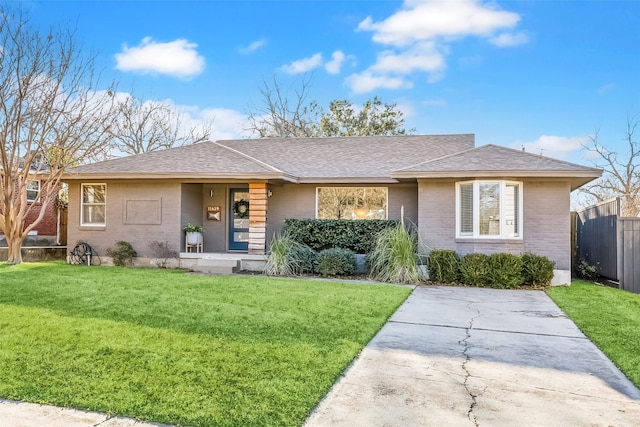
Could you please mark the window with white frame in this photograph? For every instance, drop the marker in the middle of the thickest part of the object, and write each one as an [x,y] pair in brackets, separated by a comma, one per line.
[33,191]
[489,209]
[93,204]
[351,202]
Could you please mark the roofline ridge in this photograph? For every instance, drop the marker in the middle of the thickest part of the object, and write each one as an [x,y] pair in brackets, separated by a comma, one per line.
[253,159]
[446,156]
[566,162]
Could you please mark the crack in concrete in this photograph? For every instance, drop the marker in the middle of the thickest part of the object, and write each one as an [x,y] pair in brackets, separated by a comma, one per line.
[103,421]
[538,334]
[467,359]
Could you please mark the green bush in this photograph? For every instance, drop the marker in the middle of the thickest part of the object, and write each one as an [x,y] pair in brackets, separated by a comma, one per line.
[587,271]
[306,259]
[505,270]
[336,262]
[319,234]
[444,266]
[537,270]
[394,257]
[122,254]
[285,257]
[474,269]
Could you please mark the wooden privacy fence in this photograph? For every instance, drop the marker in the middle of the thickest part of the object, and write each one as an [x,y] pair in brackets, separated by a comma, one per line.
[596,237]
[629,254]
[611,243]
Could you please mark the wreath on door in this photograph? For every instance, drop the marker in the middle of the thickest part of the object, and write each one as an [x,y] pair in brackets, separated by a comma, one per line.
[241,208]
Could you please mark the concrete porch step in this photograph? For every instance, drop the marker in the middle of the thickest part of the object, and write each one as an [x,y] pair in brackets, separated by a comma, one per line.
[212,265]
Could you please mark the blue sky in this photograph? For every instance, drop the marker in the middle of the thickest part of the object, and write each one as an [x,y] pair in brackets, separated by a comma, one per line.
[543,74]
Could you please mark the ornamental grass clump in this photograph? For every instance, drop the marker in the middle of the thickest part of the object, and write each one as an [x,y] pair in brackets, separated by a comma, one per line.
[394,257]
[285,257]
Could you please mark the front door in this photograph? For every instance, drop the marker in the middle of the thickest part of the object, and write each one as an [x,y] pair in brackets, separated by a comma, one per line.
[239,219]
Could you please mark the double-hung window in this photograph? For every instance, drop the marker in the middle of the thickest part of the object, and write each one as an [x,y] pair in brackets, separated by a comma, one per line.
[489,209]
[94,204]
[33,191]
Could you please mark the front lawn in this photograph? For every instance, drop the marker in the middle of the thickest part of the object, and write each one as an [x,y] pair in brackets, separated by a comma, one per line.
[609,317]
[176,348]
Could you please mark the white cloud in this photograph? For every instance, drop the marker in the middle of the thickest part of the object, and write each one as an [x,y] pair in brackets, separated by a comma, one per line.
[510,39]
[334,66]
[252,47]
[367,82]
[227,123]
[420,57]
[606,89]
[178,58]
[419,35]
[559,147]
[434,103]
[432,19]
[303,65]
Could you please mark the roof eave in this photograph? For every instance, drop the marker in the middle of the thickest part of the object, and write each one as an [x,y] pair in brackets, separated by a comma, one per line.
[588,174]
[347,180]
[173,175]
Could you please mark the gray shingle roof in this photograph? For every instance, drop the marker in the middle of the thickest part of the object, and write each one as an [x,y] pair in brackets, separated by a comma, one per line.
[350,157]
[340,159]
[493,160]
[203,159]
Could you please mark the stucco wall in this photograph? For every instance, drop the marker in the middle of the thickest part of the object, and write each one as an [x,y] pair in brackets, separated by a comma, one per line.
[546,218]
[146,227]
[299,201]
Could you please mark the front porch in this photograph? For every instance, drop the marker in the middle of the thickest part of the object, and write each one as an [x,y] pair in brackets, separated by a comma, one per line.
[221,263]
[234,215]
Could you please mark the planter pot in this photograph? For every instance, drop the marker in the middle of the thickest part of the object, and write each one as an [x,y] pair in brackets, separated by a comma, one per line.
[193,238]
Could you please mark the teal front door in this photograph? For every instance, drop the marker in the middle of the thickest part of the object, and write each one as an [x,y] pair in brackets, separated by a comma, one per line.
[239,219]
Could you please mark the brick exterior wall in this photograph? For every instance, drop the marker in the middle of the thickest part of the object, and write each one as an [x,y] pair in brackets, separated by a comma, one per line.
[546,217]
[118,227]
[49,223]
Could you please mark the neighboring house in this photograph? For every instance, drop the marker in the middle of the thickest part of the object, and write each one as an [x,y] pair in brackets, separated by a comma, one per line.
[486,199]
[47,232]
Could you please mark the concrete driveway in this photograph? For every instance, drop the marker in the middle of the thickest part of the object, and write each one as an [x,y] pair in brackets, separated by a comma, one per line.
[453,356]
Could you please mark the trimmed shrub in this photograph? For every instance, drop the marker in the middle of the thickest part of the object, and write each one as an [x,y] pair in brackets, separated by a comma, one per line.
[122,254]
[336,262]
[474,269]
[306,259]
[319,234]
[394,257]
[505,270]
[537,270]
[444,266]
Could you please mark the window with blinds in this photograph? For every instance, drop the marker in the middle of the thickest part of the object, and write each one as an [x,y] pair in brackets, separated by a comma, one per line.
[93,204]
[489,209]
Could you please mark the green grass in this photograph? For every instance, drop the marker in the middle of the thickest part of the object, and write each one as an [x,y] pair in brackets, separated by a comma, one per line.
[609,317]
[184,349]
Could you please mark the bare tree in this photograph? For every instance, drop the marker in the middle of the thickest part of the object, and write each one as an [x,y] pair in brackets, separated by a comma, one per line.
[51,117]
[278,117]
[621,171]
[150,126]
